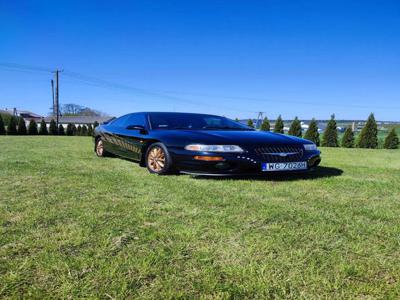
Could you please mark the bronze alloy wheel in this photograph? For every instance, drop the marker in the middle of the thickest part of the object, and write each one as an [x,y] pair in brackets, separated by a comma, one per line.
[100,148]
[156,159]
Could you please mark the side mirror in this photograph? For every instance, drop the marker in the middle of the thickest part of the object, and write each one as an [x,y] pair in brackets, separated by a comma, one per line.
[141,128]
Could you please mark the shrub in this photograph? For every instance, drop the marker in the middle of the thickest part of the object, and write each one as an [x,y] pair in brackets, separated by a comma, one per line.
[53,127]
[43,128]
[61,130]
[79,130]
[6,118]
[279,125]
[391,140]
[84,130]
[236,120]
[295,128]
[250,123]
[74,130]
[32,128]
[2,128]
[90,130]
[21,127]
[348,138]
[330,138]
[12,126]
[69,129]
[312,133]
[265,126]
[369,134]
[95,124]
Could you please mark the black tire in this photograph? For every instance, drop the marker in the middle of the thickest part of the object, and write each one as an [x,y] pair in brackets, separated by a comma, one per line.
[158,161]
[99,148]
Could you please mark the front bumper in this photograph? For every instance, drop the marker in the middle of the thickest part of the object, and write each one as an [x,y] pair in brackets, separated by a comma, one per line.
[233,164]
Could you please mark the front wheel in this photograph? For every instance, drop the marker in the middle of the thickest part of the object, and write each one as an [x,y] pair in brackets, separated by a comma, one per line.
[158,160]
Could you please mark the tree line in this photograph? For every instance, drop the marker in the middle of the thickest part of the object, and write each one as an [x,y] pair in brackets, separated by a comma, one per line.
[17,126]
[368,137]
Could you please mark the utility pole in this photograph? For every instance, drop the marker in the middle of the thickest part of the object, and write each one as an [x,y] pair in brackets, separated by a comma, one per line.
[57,96]
[259,117]
[52,93]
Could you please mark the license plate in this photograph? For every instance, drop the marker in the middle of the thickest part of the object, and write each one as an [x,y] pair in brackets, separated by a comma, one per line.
[273,167]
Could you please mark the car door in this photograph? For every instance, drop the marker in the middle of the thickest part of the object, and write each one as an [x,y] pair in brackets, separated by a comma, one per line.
[132,136]
[114,135]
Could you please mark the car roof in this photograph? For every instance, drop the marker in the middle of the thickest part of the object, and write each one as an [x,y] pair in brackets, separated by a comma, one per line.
[172,113]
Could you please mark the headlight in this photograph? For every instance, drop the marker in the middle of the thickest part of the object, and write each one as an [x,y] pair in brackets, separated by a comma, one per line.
[214,148]
[310,147]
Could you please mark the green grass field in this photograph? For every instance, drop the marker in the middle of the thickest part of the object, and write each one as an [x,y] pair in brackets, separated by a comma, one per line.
[77,226]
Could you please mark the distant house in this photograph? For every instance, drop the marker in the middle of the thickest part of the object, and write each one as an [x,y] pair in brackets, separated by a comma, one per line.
[29,116]
[25,114]
[77,120]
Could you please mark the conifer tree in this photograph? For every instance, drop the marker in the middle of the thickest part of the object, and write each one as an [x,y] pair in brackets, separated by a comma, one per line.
[265,126]
[295,128]
[90,130]
[32,128]
[95,124]
[21,127]
[2,127]
[53,127]
[391,140]
[369,134]
[312,133]
[12,126]
[330,138]
[250,123]
[79,130]
[69,129]
[74,130]
[84,130]
[348,138]
[61,130]
[279,125]
[43,128]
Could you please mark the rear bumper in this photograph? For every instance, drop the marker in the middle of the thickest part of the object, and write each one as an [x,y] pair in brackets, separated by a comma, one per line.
[233,164]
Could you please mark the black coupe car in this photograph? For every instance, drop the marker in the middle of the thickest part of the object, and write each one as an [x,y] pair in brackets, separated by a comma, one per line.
[202,144]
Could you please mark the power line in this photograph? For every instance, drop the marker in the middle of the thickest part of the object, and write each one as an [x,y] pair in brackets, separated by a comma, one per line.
[94,81]
[25,67]
[275,101]
[166,93]
[107,84]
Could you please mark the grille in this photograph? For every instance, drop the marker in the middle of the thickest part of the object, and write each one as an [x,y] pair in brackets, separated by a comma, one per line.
[270,153]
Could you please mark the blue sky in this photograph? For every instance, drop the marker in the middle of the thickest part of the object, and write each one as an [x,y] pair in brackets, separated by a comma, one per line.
[234,58]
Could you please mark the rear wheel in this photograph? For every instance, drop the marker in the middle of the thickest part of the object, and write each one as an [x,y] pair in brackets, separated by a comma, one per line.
[99,148]
[158,160]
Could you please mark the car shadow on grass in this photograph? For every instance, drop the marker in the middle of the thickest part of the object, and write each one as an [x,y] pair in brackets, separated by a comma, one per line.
[319,172]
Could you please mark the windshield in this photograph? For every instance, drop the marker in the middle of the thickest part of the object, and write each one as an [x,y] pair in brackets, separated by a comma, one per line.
[193,122]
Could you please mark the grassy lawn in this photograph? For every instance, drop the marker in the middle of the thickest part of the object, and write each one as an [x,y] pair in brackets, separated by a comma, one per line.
[74,225]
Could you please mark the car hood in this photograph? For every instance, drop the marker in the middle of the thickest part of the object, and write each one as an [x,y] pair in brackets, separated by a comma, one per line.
[184,137]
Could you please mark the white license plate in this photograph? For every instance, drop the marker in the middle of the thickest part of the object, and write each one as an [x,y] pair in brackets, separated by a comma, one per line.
[272,167]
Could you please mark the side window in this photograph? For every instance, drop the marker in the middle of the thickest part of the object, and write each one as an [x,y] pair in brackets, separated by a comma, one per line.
[214,121]
[120,122]
[136,119]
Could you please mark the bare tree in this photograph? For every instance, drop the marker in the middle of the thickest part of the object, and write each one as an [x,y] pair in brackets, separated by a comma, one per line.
[72,109]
